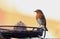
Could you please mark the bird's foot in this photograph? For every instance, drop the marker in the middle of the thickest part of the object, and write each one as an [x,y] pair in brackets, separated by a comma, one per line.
[43,28]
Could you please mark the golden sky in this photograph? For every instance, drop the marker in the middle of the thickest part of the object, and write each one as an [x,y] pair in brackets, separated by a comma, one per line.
[9,15]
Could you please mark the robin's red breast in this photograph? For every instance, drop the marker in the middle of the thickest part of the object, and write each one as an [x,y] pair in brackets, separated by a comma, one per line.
[39,15]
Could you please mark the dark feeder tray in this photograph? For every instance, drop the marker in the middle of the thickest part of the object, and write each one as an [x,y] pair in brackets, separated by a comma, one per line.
[23,34]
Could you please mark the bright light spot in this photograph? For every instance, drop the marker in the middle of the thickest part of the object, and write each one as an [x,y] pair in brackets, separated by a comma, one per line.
[49,35]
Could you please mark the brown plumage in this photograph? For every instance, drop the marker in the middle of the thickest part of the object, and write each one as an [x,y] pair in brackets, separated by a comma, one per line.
[41,19]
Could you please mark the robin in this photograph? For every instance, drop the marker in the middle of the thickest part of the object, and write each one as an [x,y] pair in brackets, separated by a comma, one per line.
[41,19]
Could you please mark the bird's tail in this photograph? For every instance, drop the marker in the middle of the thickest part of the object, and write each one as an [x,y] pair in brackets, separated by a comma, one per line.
[46,28]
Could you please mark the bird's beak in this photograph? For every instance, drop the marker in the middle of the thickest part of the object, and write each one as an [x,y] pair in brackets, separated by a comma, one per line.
[35,11]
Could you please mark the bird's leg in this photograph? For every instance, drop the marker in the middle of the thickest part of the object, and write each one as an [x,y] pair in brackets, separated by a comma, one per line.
[42,26]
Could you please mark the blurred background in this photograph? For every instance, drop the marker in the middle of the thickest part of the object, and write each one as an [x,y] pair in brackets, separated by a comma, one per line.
[13,11]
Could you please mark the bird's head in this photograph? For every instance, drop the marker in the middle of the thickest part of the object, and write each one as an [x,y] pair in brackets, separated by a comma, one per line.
[38,11]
